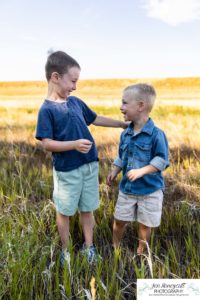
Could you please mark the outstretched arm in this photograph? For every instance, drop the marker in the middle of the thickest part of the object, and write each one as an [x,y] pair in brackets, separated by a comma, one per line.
[108,122]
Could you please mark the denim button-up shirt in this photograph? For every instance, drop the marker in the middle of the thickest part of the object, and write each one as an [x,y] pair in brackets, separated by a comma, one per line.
[148,147]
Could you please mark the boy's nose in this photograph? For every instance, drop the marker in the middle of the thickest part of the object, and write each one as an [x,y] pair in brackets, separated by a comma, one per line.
[121,108]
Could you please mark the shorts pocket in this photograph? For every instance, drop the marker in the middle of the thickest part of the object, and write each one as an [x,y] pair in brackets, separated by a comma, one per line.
[69,177]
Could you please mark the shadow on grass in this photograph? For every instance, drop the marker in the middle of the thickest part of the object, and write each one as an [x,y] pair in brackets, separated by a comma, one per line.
[33,165]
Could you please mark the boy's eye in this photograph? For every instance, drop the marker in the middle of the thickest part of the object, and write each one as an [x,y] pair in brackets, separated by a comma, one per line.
[123,101]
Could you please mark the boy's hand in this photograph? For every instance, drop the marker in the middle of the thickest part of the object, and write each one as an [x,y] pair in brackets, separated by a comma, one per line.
[134,174]
[111,177]
[83,145]
[125,124]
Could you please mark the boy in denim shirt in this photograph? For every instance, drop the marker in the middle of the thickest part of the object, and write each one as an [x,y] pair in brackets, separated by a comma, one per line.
[143,155]
[62,128]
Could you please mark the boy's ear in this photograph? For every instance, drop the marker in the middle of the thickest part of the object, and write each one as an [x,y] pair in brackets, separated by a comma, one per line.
[55,76]
[141,105]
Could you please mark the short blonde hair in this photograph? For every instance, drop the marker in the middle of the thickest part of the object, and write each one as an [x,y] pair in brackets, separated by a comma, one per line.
[143,91]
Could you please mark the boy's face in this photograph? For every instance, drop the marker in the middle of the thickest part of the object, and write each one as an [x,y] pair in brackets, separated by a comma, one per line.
[66,83]
[130,107]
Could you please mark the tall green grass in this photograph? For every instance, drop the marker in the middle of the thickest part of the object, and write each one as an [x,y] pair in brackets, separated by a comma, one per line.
[29,241]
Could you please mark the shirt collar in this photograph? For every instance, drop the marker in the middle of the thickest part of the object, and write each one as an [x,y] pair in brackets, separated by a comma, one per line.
[148,127]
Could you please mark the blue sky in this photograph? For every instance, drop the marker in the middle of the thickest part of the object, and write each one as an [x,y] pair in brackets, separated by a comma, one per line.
[110,39]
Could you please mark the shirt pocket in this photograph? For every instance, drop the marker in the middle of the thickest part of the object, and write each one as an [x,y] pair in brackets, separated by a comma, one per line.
[123,151]
[142,152]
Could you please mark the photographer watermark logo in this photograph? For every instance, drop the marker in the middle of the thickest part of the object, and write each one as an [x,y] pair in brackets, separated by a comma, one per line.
[168,289]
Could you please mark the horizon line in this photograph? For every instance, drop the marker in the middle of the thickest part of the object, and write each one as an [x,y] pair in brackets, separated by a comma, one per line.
[107,79]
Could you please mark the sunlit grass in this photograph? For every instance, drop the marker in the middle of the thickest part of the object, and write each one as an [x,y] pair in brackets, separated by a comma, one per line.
[29,242]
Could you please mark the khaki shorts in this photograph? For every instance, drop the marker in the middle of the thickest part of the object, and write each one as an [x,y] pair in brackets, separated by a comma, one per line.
[146,209]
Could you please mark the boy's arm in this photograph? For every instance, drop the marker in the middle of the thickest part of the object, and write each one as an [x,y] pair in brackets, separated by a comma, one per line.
[108,122]
[137,173]
[117,166]
[113,174]
[91,118]
[160,152]
[81,145]
[159,162]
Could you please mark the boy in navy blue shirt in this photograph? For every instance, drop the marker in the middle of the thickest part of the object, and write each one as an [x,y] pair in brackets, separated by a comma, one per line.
[62,127]
[143,155]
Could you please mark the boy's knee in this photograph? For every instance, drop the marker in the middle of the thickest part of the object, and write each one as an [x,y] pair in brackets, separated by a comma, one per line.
[142,226]
[86,213]
[119,223]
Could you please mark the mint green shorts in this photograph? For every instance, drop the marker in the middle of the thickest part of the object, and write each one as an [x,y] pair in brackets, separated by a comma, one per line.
[77,189]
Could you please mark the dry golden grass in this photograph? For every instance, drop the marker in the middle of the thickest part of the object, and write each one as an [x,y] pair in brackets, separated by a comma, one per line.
[108,89]
[179,118]
[29,266]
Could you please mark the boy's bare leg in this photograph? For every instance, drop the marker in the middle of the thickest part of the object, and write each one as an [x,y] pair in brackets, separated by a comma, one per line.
[63,229]
[144,235]
[87,222]
[118,230]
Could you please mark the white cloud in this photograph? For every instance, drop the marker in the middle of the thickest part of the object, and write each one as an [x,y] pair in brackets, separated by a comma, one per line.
[173,12]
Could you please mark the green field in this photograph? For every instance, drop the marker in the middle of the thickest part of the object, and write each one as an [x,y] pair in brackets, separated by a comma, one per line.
[29,242]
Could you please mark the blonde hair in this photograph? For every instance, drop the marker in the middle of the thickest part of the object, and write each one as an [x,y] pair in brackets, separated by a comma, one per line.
[143,91]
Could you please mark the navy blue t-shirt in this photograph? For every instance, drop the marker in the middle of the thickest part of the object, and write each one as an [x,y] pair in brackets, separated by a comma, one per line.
[67,121]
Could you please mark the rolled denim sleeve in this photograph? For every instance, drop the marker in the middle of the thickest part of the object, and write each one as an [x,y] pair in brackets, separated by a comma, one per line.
[160,152]
[159,163]
[118,160]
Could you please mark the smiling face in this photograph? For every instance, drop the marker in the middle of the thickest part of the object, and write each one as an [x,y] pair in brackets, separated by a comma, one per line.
[131,108]
[66,83]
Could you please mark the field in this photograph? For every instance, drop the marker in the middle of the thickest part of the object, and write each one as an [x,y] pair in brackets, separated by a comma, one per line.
[29,242]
